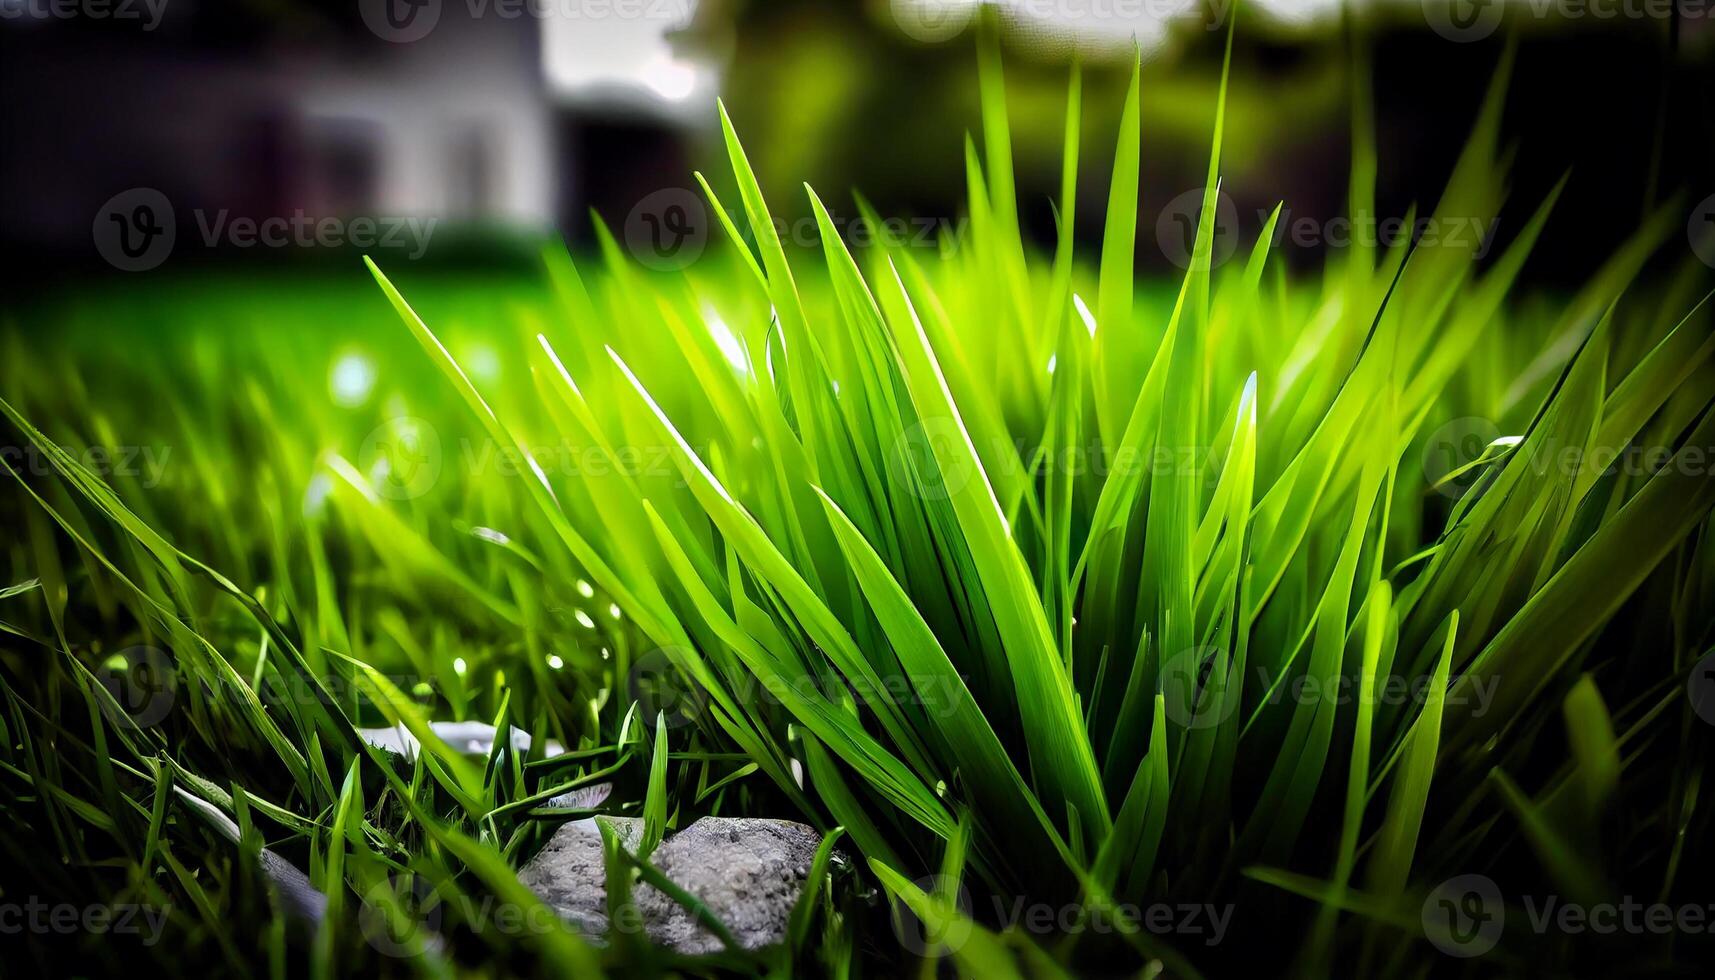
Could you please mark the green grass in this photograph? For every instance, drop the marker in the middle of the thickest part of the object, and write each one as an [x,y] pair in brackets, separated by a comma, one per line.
[1013,566]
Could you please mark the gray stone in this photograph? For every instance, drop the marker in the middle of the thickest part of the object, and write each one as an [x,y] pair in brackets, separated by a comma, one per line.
[465,737]
[569,874]
[748,872]
[292,887]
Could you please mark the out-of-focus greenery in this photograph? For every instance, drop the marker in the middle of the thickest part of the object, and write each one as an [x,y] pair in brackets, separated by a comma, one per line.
[1004,563]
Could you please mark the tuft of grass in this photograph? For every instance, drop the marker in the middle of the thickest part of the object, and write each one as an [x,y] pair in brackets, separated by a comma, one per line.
[1044,588]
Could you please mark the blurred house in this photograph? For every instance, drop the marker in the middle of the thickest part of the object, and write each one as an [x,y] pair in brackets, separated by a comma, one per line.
[510,118]
[482,121]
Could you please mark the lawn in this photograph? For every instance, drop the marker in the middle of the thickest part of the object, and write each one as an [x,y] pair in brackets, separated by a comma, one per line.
[1102,623]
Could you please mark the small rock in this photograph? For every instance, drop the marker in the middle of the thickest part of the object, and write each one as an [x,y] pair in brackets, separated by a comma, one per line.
[569,874]
[468,737]
[748,872]
[300,898]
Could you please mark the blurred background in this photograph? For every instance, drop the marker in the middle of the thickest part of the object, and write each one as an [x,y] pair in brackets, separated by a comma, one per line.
[184,135]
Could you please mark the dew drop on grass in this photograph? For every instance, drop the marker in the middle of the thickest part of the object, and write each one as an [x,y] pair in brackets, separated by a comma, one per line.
[316,494]
[1084,314]
[351,379]
[585,590]
[726,340]
[555,662]
[584,620]
[459,666]
[482,363]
